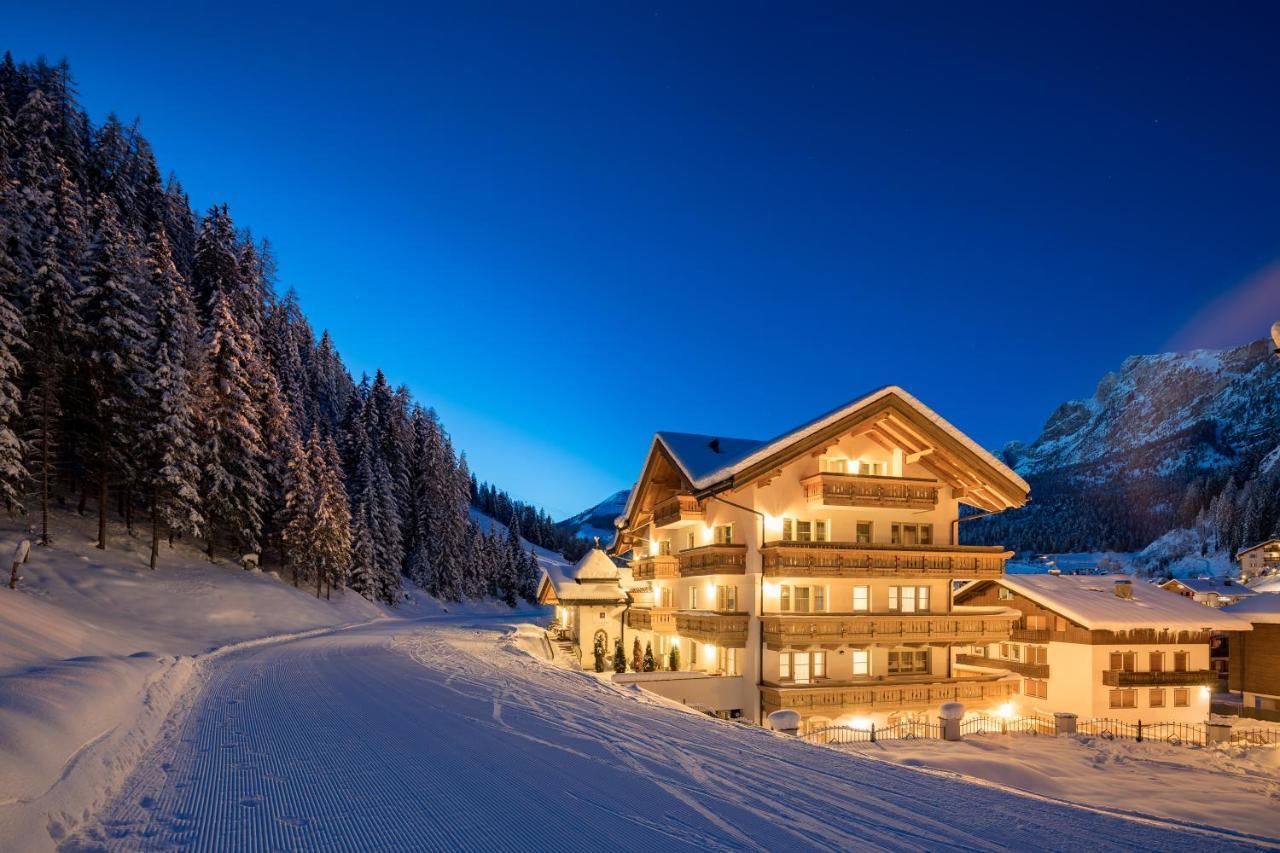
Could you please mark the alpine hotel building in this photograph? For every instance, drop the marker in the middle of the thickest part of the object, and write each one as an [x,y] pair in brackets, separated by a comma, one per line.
[815,571]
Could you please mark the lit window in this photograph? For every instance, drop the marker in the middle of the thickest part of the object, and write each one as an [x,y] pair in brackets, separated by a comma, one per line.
[804,531]
[784,665]
[861,599]
[863,533]
[784,603]
[871,469]
[1005,594]
[724,534]
[911,534]
[908,599]
[726,598]
[861,662]
[819,531]
[908,662]
[835,466]
[788,530]
[693,598]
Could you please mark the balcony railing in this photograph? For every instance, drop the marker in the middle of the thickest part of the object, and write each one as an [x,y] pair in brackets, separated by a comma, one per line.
[655,567]
[1161,678]
[804,629]
[849,559]
[835,699]
[1032,635]
[839,490]
[1029,670]
[713,560]
[676,511]
[661,620]
[721,629]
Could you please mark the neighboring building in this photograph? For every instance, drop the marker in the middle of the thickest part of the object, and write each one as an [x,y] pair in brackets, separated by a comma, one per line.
[1255,656]
[814,571]
[1102,646]
[1213,592]
[589,600]
[1260,559]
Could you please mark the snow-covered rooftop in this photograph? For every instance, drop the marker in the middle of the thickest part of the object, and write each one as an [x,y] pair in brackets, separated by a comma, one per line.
[1263,607]
[595,565]
[1222,586]
[1091,601]
[1261,544]
[593,578]
[1269,583]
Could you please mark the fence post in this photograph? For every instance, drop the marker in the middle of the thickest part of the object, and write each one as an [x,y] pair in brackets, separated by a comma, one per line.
[949,716]
[1217,733]
[873,732]
[1139,731]
[1064,723]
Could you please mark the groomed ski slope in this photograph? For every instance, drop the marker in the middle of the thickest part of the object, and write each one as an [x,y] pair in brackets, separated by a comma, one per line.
[447,735]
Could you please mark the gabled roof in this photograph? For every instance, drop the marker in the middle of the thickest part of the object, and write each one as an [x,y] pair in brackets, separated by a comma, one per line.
[709,462]
[1091,601]
[1221,586]
[1261,544]
[1262,608]
[593,579]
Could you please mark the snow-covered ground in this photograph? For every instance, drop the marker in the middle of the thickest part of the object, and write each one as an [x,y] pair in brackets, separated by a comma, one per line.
[454,733]
[1233,787]
[96,649]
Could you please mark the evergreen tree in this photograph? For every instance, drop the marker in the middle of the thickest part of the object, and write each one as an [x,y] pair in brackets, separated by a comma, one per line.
[637,656]
[648,664]
[673,660]
[619,657]
[598,653]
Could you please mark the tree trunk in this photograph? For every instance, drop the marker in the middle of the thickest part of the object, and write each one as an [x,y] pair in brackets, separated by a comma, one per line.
[128,509]
[84,496]
[319,578]
[102,503]
[45,472]
[209,549]
[155,531]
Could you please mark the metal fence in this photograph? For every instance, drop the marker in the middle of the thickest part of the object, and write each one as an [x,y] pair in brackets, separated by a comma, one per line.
[1033,724]
[904,730]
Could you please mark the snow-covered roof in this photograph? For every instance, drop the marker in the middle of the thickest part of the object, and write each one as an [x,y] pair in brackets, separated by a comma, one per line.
[1222,586]
[1267,583]
[1263,607]
[1261,544]
[594,578]
[707,460]
[1091,601]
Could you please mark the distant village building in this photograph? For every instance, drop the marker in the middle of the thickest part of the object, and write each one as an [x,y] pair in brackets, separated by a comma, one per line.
[1101,646]
[1255,656]
[1212,592]
[814,571]
[1260,559]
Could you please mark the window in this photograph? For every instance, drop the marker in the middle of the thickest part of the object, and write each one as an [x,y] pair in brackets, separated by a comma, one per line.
[726,598]
[909,599]
[861,662]
[835,466]
[1180,661]
[871,469]
[727,661]
[802,667]
[802,599]
[1124,698]
[1124,661]
[1155,661]
[819,531]
[724,534]
[788,530]
[908,662]
[1181,697]
[862,533]
[861,599]
[693,597]
[665,597]
[1036,688]
[1156,698]
[1036,622]
[688,539]
[1038,655]
[1005,594]
[1059,623]
[912,534]
[664,547]
[804,531]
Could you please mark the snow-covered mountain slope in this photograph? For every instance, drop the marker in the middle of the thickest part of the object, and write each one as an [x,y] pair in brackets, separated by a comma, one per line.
[1164,414]
[1145,453]
[598,520]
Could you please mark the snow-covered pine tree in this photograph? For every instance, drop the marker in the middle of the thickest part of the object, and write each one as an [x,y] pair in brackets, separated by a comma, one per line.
[648,663]
[637,656]
[297,519]
[13,470]
[233,489]
[332,542]
[619,657]
[364,567]
[112,344]
[170,452]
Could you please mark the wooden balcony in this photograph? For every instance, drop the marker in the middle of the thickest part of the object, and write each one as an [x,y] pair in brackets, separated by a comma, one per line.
[839,629]
[656,567]
[713,560]
[885,696]
[1032,635]
[851,560]
[1028,670]
[720,629]
[1162,678]
[677,511]
[843,490]
[660,620]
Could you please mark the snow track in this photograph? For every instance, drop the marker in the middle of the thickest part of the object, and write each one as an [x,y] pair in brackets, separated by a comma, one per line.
[438,736]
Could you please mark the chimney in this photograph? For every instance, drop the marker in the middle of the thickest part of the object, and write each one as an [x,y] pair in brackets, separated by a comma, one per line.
[1124,589]
[714,444]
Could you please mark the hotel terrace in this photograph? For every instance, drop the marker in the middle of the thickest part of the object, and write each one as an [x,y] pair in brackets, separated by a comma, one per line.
[814,572]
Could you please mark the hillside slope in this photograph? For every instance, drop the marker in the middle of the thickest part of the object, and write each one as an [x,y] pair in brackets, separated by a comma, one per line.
[598,520]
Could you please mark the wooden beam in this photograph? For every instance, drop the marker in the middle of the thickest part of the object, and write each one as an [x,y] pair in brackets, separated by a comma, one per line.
[916,457]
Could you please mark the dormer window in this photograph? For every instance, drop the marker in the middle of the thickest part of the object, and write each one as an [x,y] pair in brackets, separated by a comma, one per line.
[835,466]
[870,469]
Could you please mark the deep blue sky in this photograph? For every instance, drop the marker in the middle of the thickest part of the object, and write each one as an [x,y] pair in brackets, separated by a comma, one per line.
[568,226]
